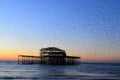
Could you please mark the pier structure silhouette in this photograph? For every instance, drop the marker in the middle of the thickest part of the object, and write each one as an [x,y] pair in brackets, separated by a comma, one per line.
[49,55]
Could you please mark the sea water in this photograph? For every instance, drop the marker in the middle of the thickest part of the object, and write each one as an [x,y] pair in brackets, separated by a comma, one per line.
[10,70]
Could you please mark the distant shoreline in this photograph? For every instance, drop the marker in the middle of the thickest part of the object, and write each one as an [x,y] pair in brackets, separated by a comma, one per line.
[85,62]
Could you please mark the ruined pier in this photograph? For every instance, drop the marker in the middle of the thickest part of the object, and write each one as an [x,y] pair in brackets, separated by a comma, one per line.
[50,55]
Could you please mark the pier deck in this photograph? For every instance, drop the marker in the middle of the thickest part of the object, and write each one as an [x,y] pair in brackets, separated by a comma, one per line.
[56,60]
[50,55]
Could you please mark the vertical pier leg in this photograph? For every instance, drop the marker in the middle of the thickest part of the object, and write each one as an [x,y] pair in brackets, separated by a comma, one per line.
[18,60]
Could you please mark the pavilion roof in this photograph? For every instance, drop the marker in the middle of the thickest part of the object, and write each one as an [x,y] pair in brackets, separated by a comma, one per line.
[51,49]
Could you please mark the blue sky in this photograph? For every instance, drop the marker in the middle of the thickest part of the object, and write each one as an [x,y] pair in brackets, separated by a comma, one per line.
[81,27]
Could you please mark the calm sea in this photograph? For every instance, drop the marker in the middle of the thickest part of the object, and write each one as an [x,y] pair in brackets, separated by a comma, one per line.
[10,70]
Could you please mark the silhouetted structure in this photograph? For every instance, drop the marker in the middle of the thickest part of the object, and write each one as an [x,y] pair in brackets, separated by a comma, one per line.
[50,55]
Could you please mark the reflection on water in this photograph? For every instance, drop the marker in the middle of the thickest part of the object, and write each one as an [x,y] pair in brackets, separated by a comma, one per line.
[83,71]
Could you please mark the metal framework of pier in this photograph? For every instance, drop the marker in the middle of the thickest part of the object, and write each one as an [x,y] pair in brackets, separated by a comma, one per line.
[50,55]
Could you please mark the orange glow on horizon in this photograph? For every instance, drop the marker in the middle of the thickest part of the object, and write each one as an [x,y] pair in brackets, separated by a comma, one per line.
[11,54]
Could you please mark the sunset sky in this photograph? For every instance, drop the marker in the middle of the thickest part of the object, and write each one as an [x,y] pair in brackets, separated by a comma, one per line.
[86,28]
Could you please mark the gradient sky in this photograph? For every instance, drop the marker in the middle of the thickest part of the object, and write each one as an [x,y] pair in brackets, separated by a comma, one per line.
[86,28]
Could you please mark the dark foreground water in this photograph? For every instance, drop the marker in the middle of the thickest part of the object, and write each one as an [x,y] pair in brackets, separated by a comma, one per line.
[10,70]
